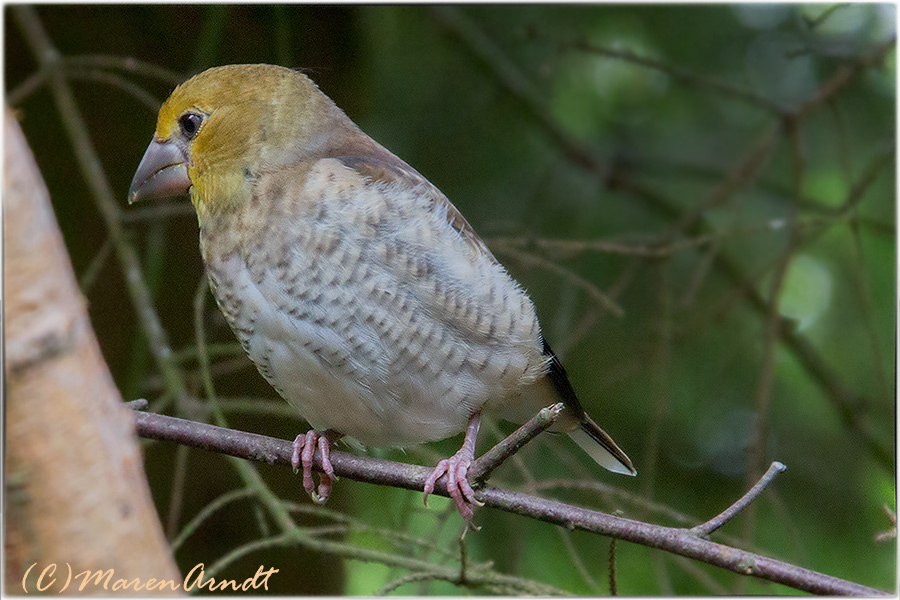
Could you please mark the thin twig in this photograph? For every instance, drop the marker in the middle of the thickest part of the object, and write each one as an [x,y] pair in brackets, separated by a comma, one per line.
[679,74]
[496,456]
[87,279]
[127,63]
[571,248]
[606,490]
[844,76]
[114,80]
[207,511]
[707,528]
[32,83]
[593,291]
[700,574]
[613,586]
[577,562]
[484,49]
[737,178]
[580,330]
[813,23]
[463,557]
[278,541]
[311,538]
[660,368]
[138,404]
[890,534]
[885,157]
[399,539]
[413,578]
[246,405]
[412,477]
[229,349]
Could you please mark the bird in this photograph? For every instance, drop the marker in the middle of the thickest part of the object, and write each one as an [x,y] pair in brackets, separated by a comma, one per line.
[357,289]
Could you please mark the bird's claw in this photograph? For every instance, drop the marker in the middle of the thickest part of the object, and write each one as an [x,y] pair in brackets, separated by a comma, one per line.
[302,457]
[456,468]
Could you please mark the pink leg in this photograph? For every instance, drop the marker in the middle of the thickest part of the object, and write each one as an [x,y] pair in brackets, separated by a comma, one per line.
[304,450]
[456,467]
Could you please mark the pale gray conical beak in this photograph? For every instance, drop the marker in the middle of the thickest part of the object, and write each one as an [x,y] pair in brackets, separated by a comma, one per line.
[162,173]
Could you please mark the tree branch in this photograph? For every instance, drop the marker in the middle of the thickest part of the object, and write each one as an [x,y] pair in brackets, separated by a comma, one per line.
[483,467]
[732,511]
[412,477]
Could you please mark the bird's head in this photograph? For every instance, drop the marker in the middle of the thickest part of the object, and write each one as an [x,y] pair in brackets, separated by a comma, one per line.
[221,128]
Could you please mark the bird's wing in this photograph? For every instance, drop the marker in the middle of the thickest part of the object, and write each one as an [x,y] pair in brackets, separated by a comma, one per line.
[380,165]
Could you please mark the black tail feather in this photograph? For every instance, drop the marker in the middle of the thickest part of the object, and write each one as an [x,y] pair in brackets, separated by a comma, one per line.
[560,380]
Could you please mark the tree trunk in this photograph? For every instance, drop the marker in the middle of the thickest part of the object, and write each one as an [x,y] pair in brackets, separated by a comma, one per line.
[76,492]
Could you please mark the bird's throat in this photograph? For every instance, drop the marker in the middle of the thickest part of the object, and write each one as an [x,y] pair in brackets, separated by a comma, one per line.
[215,191]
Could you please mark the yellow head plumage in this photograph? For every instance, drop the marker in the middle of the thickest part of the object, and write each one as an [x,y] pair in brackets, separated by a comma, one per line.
[228,124]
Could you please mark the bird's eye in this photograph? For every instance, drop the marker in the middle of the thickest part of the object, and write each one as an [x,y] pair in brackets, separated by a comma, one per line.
[190,124]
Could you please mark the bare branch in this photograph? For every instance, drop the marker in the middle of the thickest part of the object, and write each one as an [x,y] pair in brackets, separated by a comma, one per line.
[483,467]
[412,477]
[732,511]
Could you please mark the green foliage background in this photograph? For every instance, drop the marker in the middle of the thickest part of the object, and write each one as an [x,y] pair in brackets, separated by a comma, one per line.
[708,235]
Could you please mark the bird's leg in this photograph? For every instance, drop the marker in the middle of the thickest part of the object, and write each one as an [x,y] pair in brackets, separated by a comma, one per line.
[304,449]
[456,467]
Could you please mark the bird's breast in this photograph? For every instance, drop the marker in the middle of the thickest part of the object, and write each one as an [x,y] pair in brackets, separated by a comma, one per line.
[366,311]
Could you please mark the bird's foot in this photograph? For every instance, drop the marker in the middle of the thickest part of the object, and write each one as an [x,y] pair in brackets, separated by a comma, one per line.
[456,468]
[304,449]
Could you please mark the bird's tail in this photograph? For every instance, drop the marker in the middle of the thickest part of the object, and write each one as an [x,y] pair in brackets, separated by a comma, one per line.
[601,447]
